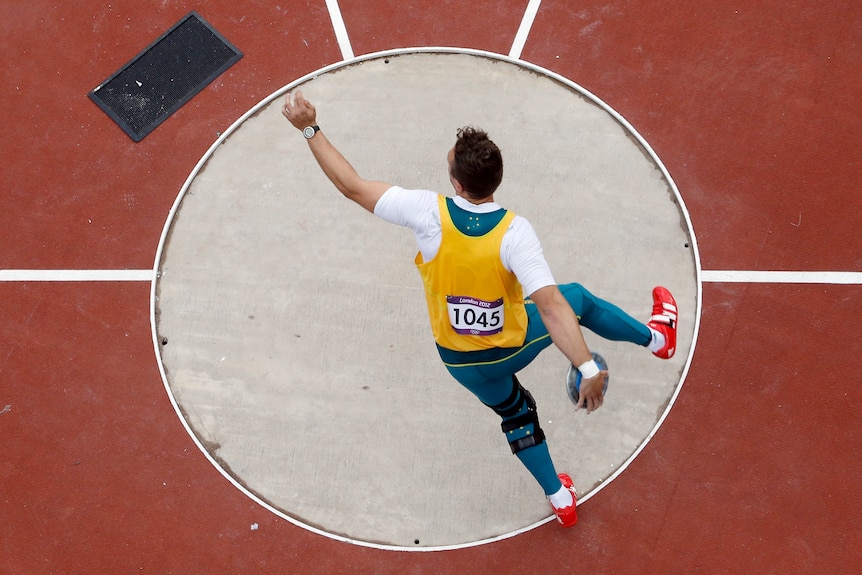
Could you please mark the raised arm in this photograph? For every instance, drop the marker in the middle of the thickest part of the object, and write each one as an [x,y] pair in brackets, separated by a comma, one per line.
[302,114]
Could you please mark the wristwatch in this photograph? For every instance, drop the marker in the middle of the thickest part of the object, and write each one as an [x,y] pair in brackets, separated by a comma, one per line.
[310,131]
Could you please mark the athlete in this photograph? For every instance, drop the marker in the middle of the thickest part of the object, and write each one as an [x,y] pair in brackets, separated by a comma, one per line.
[477,262]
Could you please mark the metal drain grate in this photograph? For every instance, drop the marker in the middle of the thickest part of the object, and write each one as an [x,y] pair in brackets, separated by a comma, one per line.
[166,75]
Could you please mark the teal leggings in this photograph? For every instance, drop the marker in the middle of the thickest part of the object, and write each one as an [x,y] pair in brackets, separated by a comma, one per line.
[488,373]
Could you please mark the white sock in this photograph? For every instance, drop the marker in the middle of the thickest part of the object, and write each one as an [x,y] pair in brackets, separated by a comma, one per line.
[657,342]
[562,498]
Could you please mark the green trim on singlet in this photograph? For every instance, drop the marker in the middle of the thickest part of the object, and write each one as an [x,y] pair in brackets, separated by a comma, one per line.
[453,358]
[473,224]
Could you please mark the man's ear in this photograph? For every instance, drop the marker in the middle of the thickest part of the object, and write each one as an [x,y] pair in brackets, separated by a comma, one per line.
[459,189]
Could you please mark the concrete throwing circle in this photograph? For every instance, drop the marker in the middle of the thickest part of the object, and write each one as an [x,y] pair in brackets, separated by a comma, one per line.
[298,349]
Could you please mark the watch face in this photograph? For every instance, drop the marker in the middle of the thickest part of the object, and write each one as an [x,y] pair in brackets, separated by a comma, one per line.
[308,132]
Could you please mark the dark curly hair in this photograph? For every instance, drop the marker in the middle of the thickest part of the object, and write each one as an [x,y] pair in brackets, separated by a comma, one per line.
[478,163]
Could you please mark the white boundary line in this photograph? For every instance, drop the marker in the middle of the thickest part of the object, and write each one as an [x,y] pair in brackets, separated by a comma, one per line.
[76,275]
[524,29]
[426,50]
[782,277]
[706,276]
[340,29]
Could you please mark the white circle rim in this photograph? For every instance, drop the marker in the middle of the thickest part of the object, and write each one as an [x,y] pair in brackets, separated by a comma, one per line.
[374,56]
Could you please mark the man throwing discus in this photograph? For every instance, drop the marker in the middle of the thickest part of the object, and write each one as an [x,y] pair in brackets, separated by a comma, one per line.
[492,300]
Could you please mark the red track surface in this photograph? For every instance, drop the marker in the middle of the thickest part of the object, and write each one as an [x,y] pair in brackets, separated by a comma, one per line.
[753,109]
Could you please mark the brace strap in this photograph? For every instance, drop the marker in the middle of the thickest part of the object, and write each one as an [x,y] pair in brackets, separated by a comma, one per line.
[528,441]
[531,417]
[513,401]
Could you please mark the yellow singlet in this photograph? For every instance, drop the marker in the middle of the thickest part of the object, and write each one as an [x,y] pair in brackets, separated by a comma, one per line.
[474,302]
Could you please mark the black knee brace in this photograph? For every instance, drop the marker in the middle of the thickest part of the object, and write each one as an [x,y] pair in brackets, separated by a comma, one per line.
[512,405]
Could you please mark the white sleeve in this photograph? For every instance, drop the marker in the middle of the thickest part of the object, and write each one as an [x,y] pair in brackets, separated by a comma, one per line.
[407,208]
[522,254]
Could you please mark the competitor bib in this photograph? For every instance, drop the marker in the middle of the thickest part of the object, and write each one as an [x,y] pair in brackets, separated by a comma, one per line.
[472,316]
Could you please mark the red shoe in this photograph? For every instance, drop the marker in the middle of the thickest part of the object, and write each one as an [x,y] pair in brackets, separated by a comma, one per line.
[567,516]
[663,320]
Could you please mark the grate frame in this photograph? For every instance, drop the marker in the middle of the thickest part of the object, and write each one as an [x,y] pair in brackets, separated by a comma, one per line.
[165,76]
